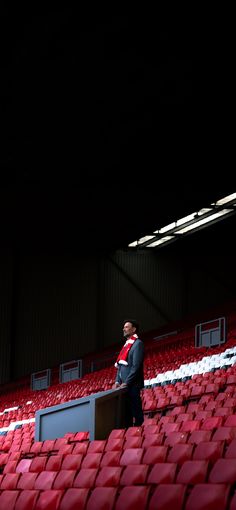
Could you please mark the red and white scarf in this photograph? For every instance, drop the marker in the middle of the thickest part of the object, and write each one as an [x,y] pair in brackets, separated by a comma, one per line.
[122,358]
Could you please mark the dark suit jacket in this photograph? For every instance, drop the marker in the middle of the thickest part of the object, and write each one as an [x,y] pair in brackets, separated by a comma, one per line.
[132,374]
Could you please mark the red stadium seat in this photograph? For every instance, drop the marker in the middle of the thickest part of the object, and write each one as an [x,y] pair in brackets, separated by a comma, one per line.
[111,458]
[153,440]
[74,499]
[9,481]
[80,448]
[184,417]
[203,415]
[65,449]
[10,466]
[226,434]
[133,431]
[175,438]
[36,447]
[117,434]
[133,442]
[155,454]
[167,428]
[3,458]
[85,478]
[38,464]
[27,481]
[132,498]
[198,436]
[193,472]
[212,423]
[44,480]
[223,411]
[162,472]
[230,402]
[114,444]
[8,499]
[134,475]
[102,497]
[177,410]
[168,496]
[96,446]
[91,460]
[64,479]
[223,471]
[208,496]
[47,446]
[190,426]
[150,421]
[209,450]
[230,421]
[72,461]
[48,500]
[109,476]
[59,442]
[230,452]
[79,436]
[194,407]
[26,500]
[23,465]
[151,429]
[179,453]
[54,463]
[132,456]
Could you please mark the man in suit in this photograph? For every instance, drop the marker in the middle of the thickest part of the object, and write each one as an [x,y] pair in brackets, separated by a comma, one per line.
[130,372]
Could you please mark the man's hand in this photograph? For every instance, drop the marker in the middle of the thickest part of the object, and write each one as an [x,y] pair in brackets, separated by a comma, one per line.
[123,385]
[115,386]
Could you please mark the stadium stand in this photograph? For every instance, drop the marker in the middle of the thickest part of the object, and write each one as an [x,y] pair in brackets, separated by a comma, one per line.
[187,440]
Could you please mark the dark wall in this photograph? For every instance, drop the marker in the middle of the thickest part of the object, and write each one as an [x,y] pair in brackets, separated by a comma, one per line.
[57,311]
[6,268]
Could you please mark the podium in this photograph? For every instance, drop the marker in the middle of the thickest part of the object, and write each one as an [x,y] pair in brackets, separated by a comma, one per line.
[98,414]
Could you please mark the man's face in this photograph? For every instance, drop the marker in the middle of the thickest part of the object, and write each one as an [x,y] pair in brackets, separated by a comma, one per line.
[128,329]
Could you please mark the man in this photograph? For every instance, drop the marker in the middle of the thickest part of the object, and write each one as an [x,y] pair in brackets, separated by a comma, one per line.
[130,372]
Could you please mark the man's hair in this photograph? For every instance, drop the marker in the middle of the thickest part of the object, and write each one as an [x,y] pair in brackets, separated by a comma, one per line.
[134,323]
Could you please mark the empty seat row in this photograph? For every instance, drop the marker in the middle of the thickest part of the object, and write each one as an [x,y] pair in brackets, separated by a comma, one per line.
[206,456]
[200,497]
[189,472]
